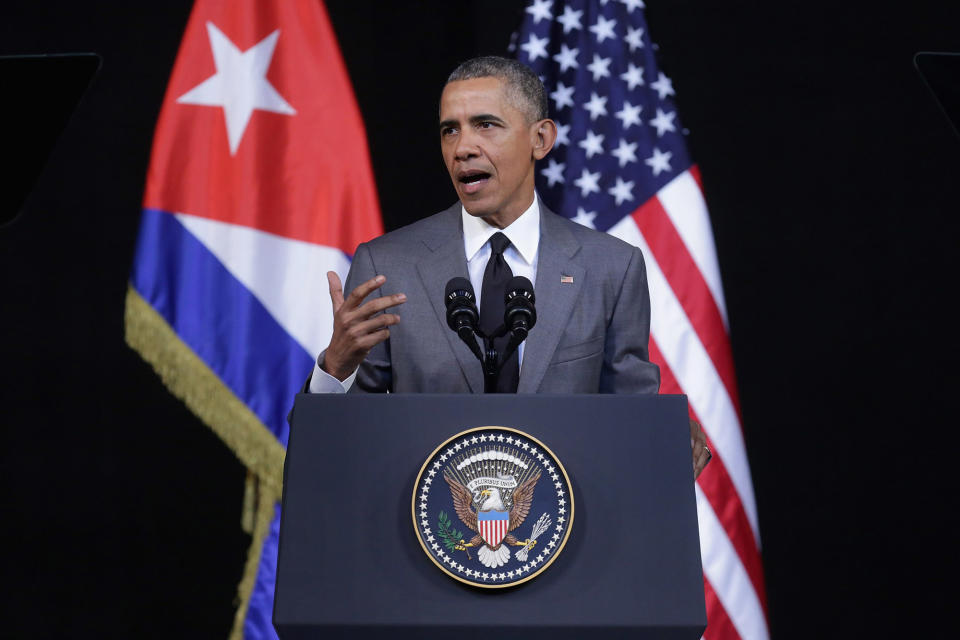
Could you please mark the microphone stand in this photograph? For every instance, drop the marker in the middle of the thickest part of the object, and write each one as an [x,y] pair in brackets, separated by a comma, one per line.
[492,362]
[519,318]
[491,372]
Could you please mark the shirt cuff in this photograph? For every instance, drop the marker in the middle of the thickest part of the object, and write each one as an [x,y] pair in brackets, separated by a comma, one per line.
[323,382]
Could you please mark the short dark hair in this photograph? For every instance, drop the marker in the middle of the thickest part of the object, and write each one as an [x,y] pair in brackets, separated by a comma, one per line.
[523,86]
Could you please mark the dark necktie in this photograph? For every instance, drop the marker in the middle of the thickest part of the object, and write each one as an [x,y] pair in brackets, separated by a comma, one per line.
[495,279]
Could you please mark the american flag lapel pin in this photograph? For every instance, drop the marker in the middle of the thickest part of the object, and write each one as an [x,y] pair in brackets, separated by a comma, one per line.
[566,279]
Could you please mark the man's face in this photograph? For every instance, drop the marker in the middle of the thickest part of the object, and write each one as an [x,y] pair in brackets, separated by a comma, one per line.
[489,148]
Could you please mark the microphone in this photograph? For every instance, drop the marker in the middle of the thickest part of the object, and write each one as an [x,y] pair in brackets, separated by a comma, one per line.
[462,314]
[520,314]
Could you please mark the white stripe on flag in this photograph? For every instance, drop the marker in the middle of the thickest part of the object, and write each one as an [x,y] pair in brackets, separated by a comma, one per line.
[694,370]
[289,277]
[683,201]
[726,573]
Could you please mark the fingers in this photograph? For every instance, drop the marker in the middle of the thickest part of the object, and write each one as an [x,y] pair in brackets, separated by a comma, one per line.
[363,290]
[348,348]
[698,443]
[371,332]
[701,461]
[697,439]
[699,446]
[336,290]
[379,304]
[352,313]
[358,326]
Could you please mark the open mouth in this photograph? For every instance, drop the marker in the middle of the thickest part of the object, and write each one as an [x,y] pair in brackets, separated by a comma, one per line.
[473,181]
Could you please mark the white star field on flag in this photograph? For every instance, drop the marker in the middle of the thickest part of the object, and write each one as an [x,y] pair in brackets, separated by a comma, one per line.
[618,139]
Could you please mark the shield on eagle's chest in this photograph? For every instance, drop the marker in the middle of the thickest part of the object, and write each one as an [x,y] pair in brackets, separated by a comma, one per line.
[493,526]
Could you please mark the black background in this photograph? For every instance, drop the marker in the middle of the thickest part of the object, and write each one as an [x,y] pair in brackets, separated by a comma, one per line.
[831,177]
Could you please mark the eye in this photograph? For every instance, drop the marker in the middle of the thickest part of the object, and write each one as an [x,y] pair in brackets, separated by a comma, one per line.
[486,124]
[448,131]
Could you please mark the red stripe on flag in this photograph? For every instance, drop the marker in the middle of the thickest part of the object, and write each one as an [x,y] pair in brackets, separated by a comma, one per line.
[691,289]
[695,173]
[719,624]
[722,495]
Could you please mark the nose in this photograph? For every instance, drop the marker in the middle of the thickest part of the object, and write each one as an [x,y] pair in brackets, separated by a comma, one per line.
[466,146]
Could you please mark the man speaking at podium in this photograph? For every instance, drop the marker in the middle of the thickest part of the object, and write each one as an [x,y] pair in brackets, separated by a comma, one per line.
[390,333]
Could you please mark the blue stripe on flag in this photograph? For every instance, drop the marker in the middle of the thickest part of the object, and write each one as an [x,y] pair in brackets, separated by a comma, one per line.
[219,319]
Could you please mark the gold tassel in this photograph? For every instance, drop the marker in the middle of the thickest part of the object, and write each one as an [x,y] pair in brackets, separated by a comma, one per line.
[264,515]
[248,517]
[193,382]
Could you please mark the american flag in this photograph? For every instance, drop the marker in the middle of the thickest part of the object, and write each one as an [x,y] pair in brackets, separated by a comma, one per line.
[620,165]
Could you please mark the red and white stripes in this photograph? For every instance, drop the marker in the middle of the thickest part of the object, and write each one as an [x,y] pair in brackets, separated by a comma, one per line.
[689,341]
[493,530]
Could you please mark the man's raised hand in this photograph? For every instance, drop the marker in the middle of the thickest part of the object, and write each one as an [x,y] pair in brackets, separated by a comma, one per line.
[355,329]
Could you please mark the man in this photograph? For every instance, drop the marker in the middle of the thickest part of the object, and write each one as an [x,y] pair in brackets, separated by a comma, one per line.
[592,301]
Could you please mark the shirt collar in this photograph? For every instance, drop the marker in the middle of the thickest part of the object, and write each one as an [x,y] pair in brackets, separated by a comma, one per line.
[523,233]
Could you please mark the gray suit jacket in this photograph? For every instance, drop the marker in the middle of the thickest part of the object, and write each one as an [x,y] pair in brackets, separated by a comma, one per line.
[591,335]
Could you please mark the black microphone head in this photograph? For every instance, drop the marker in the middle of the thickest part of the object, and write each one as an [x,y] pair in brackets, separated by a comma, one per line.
[462,314]
[457,287]
[520,313]
[520,286]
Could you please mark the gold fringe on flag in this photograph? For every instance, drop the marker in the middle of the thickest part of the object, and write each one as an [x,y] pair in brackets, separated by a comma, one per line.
[264,501]
[193,382]
[190,379]
[249,515]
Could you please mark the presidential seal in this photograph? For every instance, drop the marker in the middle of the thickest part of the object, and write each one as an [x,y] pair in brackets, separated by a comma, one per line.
[492,507]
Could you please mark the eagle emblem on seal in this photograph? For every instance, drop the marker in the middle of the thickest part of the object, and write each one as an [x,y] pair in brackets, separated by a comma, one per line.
[492,505]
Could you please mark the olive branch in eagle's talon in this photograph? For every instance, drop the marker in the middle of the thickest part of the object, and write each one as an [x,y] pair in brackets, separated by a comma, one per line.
[452,538]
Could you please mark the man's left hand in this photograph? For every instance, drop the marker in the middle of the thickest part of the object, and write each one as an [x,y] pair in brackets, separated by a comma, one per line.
[701,454]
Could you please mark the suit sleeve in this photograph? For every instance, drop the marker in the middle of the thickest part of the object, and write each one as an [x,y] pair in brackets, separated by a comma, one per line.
[626,360]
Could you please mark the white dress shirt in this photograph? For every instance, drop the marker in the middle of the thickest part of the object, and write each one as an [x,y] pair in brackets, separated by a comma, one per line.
[521,255]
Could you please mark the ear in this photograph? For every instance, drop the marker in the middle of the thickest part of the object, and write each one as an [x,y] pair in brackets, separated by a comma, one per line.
[543,136]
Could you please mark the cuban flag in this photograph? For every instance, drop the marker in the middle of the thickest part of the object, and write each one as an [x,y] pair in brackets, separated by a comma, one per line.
[259,183]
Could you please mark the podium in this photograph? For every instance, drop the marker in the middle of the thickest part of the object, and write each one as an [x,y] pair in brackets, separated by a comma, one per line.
[351,565]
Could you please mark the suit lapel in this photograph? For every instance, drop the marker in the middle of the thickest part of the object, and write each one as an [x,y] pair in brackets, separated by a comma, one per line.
[445,260]
[555,299]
